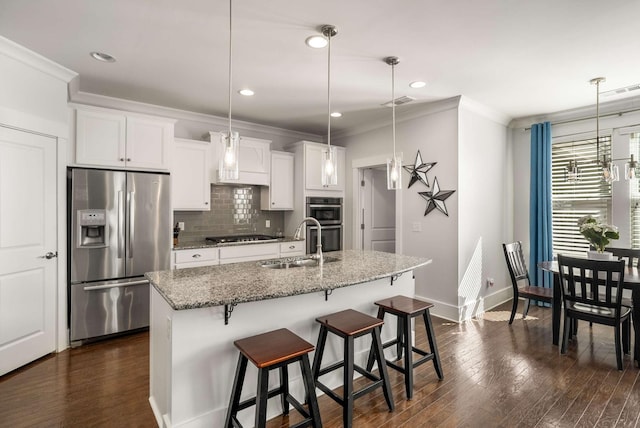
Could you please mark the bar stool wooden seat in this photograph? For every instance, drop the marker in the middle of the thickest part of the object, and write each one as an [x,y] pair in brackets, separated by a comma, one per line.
[269,351]
[406,308]
[348,325]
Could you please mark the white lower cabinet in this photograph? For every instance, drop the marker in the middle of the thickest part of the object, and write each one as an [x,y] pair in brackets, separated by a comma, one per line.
[248,252]
[291,249]
[196,257]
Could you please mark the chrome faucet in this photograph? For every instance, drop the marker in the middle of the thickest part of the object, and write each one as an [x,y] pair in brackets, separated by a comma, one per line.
[318,255]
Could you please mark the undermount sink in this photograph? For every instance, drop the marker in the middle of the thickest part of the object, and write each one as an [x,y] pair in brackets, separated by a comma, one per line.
[294,262]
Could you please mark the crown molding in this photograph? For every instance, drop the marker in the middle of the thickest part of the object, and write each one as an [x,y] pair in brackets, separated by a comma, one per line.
[467,103]
[580,113]
[35,60]
[425,109]
[217,122]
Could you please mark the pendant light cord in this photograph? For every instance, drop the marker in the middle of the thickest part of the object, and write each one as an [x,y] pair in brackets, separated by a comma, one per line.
[598,121]
[329,92]
[393,107]
[230,65]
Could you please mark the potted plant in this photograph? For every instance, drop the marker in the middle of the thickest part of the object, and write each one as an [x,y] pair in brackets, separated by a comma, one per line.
[599,235]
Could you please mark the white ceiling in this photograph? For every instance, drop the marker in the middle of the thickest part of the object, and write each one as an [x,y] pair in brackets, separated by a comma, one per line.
[517,57]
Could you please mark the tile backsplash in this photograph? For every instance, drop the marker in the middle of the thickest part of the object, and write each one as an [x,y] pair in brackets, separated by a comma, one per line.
[235,210]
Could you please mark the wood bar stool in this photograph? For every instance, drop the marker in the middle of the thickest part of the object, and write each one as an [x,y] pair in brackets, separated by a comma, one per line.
[406,308]
[273,350]
[349,325]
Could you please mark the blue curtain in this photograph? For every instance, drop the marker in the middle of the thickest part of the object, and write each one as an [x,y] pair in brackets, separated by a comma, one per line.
[540,234]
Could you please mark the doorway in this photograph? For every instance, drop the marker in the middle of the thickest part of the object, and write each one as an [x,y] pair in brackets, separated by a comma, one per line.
[377,211]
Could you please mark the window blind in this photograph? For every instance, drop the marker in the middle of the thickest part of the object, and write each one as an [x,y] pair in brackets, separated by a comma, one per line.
[634,194]
[590,195]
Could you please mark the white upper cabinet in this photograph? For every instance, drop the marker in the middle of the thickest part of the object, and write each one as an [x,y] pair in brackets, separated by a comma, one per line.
[279,194]
[254,158]
[111,138]
[190,173]
[314,153]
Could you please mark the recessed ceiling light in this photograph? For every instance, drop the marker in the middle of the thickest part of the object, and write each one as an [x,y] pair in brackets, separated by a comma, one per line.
[336,114]
[316,42]
[101,56]
[246,92]
[417,84]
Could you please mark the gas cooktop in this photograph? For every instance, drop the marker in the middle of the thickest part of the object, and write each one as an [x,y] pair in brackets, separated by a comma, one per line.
[235,239]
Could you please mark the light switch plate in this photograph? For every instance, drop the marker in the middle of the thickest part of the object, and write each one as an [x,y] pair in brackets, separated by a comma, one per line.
[267,223]
[416,226]
[181,225]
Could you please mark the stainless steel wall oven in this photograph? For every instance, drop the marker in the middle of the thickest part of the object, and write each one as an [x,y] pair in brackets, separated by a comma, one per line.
[328,211]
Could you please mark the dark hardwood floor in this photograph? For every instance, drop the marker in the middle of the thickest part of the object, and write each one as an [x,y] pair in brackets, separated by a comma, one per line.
[495,375]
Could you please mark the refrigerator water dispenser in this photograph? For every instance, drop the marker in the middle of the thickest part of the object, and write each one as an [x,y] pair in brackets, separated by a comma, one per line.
[92,229]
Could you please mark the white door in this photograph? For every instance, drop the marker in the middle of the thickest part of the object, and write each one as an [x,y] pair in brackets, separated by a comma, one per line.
[27,233]
[379,212]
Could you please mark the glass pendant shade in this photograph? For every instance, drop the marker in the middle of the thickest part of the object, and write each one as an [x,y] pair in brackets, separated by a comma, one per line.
[630,169]
[610,172]
[572,172]
[329,170]
[394,174]
[228,166]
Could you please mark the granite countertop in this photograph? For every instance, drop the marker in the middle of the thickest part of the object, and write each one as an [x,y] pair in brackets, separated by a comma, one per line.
[248,281]
[191,245]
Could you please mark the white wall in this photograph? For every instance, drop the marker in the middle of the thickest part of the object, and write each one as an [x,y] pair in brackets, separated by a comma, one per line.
[484,209]
[433,131]
[576,129]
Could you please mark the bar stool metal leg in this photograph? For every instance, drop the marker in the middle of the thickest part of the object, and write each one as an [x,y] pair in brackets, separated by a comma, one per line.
[284,385]
[261,398]
[408,356]
[384,375]
[347,410]
[309,385]
[432,344]
[238,381]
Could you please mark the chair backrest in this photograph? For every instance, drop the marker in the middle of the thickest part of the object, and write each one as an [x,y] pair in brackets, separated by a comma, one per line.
[632,256]
[516,263]
[592,282]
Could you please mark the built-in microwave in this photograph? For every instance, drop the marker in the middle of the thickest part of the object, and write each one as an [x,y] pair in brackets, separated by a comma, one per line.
[326,210]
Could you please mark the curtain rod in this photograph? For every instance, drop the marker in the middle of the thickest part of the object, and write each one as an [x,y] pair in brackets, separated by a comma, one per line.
[562,122]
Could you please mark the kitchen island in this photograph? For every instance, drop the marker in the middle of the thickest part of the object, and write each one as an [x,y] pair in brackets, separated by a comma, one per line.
[192,357]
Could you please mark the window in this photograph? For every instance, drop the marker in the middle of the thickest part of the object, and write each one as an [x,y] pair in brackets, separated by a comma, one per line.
[634,194]
[588,196]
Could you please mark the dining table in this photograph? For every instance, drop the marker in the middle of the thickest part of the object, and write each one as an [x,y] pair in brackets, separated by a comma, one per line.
[631,282]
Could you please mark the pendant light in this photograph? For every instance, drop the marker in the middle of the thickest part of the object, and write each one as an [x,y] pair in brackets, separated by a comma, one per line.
[228,167]
[394,165]
[329,170]
[572,172]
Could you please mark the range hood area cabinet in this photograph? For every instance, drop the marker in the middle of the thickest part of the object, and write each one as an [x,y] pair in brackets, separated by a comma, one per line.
[190,174]
[279,195]
[117,139]
[254,158]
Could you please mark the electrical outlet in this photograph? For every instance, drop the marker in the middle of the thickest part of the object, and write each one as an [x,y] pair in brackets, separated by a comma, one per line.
[416,226]
[181,225]
[267,223]
[490,282]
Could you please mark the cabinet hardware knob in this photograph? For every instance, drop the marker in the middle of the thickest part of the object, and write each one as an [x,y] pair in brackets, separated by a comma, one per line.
[291,247]
[128,159]
[273,203]
[121,159]
[196,256]
[206,203]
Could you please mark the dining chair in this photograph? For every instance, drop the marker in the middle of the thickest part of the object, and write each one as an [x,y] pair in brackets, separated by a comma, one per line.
[592,291]
[520,280]
[632,258]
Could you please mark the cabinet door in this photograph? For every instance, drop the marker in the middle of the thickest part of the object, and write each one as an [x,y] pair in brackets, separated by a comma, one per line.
[313,156]
[148,143]
[254,158]
[279,195]
[100,138]
[191,189]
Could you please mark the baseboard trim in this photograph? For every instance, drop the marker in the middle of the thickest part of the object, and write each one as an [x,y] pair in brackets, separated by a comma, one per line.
[470,309]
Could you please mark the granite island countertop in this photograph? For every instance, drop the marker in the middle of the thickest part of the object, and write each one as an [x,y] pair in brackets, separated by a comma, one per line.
[248,281]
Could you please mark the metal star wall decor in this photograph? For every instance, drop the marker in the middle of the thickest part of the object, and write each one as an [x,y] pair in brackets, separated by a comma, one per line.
[436,198]
[419,170]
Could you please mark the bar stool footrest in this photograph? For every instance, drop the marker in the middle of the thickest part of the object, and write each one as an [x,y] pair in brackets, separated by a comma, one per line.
[252,401]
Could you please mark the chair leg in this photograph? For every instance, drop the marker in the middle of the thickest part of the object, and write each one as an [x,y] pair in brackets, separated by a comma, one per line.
[566,328]
[618,347]
[317,359]
[400,338]
[527,303]
[432,344]
[408,356]
[371,359]
[309,386]
[284,386]
[514,308]
[347,382]
[626,335]
[238,381]
[261,398]
[384,375]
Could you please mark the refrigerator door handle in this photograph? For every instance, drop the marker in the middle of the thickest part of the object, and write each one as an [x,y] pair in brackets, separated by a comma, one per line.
[107,286]
[121,228]
[130,223]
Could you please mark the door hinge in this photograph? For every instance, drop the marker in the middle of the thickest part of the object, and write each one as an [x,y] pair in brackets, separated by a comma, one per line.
[362,226]
[362,183]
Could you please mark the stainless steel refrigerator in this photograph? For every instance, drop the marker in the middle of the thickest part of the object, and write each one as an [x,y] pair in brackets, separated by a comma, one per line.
[119,227]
